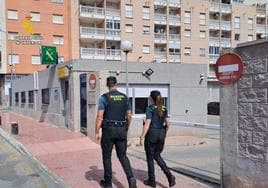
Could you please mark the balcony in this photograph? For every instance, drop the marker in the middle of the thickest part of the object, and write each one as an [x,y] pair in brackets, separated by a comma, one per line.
[92,53]
[174,3]
[113,34]
[260,28]
[215,41]
[174,39]
[216,7]
[261,12]
[174,57]
[113,54]
[214,24]
[92,12]
[160,19]
[113,14]
[213,58]
[160,38]
[212,76]
[92,33]
[160,2]
[225,25]
[174,20]
[160,57]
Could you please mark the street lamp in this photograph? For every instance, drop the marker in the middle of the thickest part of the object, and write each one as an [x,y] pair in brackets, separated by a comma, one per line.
[126,46]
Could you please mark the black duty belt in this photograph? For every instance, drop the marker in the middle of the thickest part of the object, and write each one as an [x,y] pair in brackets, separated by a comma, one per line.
[114,123]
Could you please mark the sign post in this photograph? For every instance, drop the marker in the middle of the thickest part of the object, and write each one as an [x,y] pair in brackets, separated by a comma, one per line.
[49,55]
[229,68]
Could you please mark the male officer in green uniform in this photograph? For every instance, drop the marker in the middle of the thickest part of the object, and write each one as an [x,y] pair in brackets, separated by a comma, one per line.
[114,117]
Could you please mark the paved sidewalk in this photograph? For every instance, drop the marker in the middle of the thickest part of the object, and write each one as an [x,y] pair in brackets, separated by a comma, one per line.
[75,158]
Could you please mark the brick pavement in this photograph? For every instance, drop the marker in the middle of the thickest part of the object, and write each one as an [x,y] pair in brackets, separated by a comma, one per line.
[75,158]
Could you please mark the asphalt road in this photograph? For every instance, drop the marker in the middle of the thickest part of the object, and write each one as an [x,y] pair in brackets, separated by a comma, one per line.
[20,171]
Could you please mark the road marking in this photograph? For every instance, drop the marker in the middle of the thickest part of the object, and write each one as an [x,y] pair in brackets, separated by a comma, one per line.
[25,168]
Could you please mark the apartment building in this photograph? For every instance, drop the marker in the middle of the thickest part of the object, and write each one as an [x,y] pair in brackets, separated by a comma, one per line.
[28,25]
[165,31]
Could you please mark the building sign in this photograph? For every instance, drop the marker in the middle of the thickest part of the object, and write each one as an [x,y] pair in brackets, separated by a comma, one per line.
[49,55]
[30,39]
[229,68]
[63,72]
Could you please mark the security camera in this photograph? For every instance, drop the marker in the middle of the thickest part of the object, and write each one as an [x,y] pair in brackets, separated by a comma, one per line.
[117,73]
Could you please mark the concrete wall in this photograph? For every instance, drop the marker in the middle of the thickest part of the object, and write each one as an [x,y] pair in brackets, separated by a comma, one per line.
[186,91]
[244,121]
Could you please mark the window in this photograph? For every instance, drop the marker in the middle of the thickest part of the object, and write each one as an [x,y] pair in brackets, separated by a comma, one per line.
[146,49]
[250,37]
[237,37]
[12,14]
[146,13]
[187,17]
[113,24]
[146,29]
[16,98]
[31,97]
[36,60]
[141,105]
[45,96]
[202,52]
[202,34]
[129,11]
[13,59]
[12,35]
[187,51]
[57,1]
[57,19]
[58,39]
[202,19]
[129,28]
[214,50]
[237,23]
[250,23]
[187,33]
[35,16]
[23,97]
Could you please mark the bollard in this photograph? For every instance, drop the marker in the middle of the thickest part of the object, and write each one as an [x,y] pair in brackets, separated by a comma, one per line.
[0,120]
[14,128]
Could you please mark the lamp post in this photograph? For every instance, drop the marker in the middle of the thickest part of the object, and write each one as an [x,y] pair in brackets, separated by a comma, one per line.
[126,47]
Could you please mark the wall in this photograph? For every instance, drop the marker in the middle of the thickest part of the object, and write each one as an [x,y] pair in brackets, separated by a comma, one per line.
[244,121]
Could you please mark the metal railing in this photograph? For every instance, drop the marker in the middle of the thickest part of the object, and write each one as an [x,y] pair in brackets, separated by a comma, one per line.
[113,12]
[95,53]
[88,11]
[113,32]
[260,28]
[225,8]
[213,58]
[175,37]
[174,3]
[113,52]
[91,32]
[160,36]
[215,41]
[174,20]
[160,2]
[160,18]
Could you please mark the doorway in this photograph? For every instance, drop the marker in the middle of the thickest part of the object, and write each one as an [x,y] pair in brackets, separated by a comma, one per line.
[83,104]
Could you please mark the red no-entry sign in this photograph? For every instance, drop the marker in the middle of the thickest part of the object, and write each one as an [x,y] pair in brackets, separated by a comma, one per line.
[229,68]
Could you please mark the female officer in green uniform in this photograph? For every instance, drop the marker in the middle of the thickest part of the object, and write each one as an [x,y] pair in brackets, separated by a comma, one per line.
[154,133]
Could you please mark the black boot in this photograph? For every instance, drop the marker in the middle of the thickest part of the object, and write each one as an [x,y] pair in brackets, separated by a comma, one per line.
[132,182]
[149,183]
[171,181]
[106,184]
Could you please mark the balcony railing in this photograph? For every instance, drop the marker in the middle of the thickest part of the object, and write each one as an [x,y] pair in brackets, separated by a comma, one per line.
[216,41]
[174,3]
[113,13]
[225,25]
[160,2]
[160,38]
[213,58]
[113,54]
[261,12]
[97,53]
[160,57]
[91,12]
[175,37]
[174,57]
[260,28]
[91,33]
[174,40]
[225,8]
[214,24]
[113,34]
[92,53]
[160,19]
[174,20]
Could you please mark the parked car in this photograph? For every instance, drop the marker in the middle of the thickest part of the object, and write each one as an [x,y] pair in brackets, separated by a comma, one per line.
[214,108]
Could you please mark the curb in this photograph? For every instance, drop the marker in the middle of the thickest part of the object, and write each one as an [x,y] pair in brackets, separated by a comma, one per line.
[22,149]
